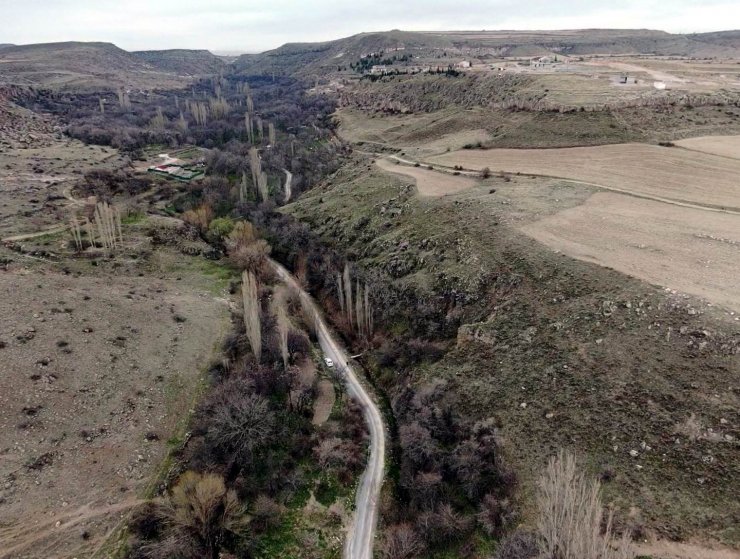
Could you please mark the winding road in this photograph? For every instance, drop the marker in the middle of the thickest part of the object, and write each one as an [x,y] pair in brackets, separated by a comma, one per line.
[361,531]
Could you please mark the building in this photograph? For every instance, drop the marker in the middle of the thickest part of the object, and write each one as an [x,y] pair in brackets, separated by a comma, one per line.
[178,172]
[464,64]
[379,69]
[659,85]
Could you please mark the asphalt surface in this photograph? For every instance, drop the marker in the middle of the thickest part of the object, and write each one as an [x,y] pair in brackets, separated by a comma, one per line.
[361,531]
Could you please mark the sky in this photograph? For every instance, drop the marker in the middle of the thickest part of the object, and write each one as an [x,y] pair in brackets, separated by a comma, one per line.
[258,25]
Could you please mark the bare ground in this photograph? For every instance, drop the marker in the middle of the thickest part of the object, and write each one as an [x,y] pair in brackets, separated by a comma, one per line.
[95,374]
[101,357]
[324,402]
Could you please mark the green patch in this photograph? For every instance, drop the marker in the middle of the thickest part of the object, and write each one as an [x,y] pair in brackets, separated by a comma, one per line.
[133,218]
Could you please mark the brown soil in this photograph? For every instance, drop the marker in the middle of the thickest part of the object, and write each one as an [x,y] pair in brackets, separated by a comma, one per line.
[95,375]
[324,402]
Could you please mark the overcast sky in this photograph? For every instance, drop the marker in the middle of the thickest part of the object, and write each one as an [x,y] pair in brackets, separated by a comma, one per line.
[256,25]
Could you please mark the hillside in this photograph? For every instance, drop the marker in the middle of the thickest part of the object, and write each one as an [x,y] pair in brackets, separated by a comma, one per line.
[79,65]
[441,47]
[306,59]
[182,61]
[595,41]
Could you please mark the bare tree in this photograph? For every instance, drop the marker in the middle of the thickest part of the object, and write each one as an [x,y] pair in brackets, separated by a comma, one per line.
[340,292]
[243,188]
[252,312]
[260,128]
[108,222]
[283,327]
[241,423]
[123,99]
[182,124]
[249,125]
[401,542]
[255,166]
[219,107]
[76,232]
[262,186]
[348,294]
[571,515]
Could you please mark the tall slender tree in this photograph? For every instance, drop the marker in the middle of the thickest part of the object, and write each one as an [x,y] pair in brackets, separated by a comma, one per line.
[252,313]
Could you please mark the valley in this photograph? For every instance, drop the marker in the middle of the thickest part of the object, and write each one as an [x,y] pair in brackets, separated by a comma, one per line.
[393,282]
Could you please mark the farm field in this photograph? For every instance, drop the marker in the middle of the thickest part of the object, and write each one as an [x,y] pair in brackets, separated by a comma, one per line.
[685,249]
[726,146]
[670,240]
[642,170]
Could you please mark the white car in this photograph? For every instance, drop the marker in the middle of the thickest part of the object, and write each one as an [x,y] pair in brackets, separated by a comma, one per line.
[329,362]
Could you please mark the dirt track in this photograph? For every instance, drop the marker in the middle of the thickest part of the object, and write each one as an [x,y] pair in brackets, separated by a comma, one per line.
[647,170]
[429,183]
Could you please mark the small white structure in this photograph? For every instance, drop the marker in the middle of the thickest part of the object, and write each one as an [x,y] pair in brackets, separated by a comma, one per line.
[379,69]
[659,85]
[464,64]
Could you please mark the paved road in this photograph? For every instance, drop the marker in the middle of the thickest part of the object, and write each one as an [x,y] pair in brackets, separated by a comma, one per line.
[361,532]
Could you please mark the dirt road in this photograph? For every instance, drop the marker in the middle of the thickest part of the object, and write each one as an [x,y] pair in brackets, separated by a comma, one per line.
[361,532]
[429,183]
[288,184]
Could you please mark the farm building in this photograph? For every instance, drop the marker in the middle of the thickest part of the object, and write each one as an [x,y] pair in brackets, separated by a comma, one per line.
[464,64]
[177,172]
[379,69]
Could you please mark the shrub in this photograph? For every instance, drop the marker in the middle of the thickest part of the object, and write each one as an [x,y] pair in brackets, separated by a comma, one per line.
[250,257]
[519,545]
[401,542]
[240,422]
[219,228]
[202,514]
